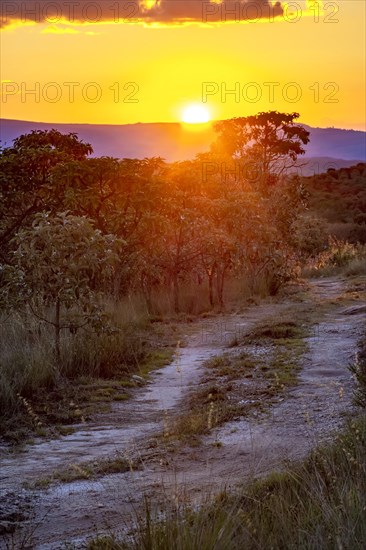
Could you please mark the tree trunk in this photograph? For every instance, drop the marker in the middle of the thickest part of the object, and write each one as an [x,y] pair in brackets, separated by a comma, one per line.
[117,285]
[57,332]
[176,292]
[220,281]
[148,297]
[147,292]
[219,288]
[210,288]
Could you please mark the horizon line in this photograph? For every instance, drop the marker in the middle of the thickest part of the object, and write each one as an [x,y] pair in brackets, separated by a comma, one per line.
[211,122]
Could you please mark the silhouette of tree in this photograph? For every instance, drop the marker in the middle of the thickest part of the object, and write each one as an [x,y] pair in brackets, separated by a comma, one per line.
[271,140]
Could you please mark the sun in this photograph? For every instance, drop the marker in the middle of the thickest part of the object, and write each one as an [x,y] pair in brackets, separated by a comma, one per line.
[196,114]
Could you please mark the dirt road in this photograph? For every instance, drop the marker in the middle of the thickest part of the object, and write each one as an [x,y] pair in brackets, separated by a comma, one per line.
[305,415]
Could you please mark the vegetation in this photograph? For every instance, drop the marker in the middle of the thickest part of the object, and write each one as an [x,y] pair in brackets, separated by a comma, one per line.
[358,369]
[339,197]
[338,257]
[268,143]
[85,471]
[78,234]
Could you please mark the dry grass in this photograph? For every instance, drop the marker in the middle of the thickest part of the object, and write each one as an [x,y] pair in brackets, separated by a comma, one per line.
[341,257]
[38,393]
[86,471]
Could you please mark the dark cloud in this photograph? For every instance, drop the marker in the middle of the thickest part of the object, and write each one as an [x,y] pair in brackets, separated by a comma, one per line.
[178,11]
[160,11]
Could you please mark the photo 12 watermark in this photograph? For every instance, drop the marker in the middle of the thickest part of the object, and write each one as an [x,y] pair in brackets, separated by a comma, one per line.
[252,172]
[196,11]
[82,11]
[271,91]
[254,11]
[71,92]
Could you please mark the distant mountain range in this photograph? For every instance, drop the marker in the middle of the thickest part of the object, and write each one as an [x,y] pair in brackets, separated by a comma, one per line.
[328,148]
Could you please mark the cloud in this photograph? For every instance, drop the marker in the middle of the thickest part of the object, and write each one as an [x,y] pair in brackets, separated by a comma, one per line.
[147,11]
[177,11]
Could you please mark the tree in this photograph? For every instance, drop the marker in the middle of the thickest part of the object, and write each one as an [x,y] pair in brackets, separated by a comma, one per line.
[63,263]
[180,221]
[272,141]
[26,182]
[263,148]
[122,198]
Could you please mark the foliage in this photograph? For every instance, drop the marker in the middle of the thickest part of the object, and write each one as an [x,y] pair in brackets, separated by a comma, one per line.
[26,177]
[339,197]
[174,226]
[338,256]
[61,262]
[272,141]
[62,256]
[309,236]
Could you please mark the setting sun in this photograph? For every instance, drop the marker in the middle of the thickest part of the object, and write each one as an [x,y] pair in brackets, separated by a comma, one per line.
[195,114]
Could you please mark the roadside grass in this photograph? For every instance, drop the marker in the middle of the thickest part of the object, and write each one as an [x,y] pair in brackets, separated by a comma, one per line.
[358,369]
[317,503]
[341,257]
[38,397]
[276,331]
[53,412]
[356,288]
[356,267]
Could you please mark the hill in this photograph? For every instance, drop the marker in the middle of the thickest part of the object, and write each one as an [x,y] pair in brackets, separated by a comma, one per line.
[329,147]
[339,197]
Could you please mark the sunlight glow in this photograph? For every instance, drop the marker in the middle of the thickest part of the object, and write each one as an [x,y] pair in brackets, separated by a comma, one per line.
[196,114]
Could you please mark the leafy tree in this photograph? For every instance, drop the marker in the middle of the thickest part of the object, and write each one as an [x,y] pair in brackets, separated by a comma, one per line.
[62,262]
[121,197]
[179,240]
[26,182]
[271,140]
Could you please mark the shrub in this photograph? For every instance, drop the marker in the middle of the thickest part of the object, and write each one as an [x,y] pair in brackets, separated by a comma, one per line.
[339,256]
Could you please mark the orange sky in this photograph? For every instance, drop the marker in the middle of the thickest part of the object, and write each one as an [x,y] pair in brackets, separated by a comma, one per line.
[313,65]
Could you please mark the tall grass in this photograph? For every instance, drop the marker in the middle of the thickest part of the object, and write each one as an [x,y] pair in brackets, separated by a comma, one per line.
[194,297]
[27,359]
[339,257]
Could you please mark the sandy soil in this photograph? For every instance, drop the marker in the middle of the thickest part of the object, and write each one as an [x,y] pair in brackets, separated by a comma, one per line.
[306,415]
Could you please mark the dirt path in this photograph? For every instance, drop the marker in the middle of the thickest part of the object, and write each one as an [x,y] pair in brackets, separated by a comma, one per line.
[308,414]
